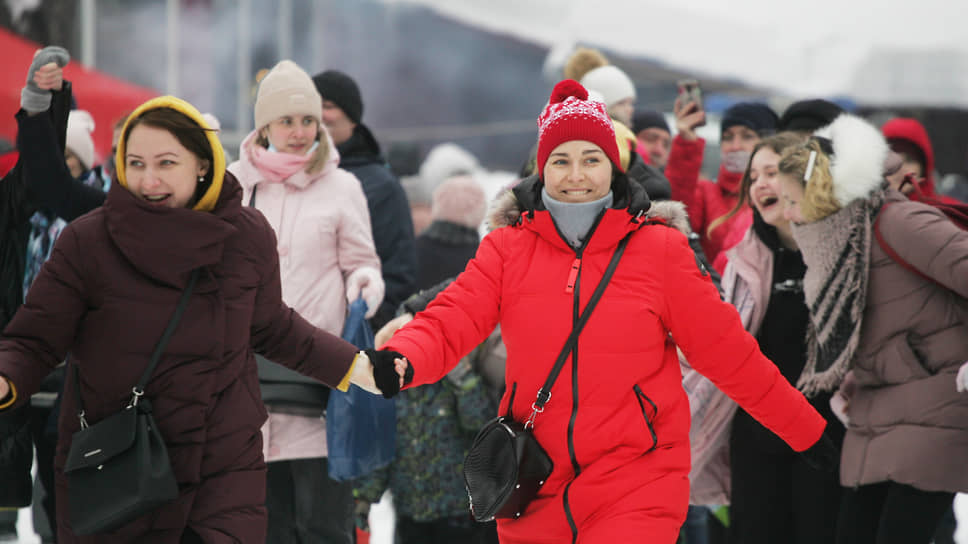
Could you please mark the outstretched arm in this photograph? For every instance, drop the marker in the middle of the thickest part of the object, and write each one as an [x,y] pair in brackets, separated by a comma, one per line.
[718,347]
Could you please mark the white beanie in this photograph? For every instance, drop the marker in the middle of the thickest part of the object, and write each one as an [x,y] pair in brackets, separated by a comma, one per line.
[611,83]
[80,125]
[287,90]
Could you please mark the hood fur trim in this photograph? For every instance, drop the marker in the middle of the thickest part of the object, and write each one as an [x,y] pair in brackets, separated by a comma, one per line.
[859,154]
[505,211]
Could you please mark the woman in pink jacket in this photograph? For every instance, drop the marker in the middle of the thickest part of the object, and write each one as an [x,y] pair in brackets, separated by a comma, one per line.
[774,495]
[617,424]
[289,170]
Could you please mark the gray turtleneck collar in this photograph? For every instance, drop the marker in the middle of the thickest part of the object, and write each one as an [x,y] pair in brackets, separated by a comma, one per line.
[575,219]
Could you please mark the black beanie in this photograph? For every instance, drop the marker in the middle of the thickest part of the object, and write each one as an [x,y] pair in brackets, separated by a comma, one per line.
[758,117]
[341,90]
[809,115]
[648,119]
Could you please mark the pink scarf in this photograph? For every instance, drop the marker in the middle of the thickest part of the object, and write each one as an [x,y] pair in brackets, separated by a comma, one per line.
[277,167]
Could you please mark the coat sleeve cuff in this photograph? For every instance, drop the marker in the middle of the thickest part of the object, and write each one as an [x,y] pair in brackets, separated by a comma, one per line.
[344,384]
[11,397]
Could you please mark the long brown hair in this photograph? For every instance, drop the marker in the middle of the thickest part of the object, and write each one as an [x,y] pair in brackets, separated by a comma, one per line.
[777,143]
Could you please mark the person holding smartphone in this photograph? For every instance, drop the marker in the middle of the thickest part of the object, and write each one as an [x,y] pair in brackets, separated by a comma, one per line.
[741,127]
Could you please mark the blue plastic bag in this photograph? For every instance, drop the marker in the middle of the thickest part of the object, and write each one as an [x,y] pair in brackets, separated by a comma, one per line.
[361,428]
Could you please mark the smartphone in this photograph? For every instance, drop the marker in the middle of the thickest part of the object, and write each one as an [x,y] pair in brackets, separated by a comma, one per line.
[689,92]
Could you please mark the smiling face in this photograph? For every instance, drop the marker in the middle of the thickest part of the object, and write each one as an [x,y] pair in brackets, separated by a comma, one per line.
[292,134]
[159,170]
[791,193]
[765,188]
[577,171]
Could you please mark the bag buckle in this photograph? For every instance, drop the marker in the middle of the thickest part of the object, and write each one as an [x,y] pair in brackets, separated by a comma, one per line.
[138,393]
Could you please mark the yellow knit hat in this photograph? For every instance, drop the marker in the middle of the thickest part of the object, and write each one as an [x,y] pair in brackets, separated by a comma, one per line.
[207,202]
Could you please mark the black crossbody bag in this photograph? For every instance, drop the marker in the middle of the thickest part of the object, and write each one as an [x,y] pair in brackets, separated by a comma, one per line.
[118,469]
[506,466]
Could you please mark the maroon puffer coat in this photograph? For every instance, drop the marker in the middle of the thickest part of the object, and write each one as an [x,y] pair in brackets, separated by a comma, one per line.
[106,295]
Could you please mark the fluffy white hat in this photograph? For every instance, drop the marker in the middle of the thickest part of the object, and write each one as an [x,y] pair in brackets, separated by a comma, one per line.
[611,83]
[859,153]
[80,125]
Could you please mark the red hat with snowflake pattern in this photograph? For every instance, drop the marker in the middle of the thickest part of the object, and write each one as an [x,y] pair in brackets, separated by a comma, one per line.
[570,115]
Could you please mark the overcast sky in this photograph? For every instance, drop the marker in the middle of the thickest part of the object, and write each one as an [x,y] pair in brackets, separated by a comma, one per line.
[810,47]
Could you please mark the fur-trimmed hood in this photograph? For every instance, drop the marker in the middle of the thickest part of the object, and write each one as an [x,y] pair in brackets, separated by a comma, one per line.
[506,209]
[858,161]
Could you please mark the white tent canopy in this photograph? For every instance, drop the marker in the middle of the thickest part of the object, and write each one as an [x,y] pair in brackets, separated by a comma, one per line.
[876,52]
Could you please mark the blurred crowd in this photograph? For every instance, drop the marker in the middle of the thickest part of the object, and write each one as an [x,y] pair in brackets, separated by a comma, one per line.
[828,235]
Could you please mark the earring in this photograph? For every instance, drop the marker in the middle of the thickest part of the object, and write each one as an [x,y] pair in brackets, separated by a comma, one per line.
[201,179]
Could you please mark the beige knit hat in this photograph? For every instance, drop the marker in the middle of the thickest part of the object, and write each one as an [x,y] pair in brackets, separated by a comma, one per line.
[286,90]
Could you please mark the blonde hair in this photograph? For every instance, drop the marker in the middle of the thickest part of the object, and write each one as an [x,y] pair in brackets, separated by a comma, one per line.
[320,155]
[778,143]
[818,193]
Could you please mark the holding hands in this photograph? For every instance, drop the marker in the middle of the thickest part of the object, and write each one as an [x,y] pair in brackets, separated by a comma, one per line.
[381,372]
[44,75]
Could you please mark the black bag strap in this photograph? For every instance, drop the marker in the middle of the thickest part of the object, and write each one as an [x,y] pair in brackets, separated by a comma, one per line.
[139,389]
[544,394]
[252,196]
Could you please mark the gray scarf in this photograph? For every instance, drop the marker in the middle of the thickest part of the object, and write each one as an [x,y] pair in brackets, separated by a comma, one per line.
[836,250]
[575,219]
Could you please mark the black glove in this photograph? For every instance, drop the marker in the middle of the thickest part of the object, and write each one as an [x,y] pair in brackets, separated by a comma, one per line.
[385,373]
[823,455]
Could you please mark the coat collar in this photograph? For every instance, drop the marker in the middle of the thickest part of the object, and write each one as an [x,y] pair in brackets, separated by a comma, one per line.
[250,176]
[521,207]
[168,243]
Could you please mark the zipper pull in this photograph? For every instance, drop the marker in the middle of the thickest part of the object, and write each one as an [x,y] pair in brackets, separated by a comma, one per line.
[573,275]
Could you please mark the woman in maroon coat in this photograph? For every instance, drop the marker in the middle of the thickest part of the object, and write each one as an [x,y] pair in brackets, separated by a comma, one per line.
[106,295]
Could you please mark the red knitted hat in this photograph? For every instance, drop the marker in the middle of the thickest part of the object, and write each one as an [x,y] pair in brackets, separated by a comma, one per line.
[569,116]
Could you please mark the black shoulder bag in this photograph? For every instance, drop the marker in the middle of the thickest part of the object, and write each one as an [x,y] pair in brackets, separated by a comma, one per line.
[505,465]
[118,469]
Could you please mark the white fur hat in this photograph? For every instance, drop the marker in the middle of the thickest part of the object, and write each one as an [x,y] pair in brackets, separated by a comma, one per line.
[859,153]
[611,83]
[80,125]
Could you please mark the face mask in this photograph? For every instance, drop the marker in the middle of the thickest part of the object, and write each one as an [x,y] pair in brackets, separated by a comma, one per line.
[735,161]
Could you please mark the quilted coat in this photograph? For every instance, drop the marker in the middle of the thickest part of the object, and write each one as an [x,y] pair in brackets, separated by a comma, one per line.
[105,296]
[617,424]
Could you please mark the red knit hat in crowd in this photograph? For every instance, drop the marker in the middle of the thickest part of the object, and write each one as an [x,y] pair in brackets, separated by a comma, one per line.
[570,115]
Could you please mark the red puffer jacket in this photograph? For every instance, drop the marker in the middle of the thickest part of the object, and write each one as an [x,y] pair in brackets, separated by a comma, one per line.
[705,200]
[617,424]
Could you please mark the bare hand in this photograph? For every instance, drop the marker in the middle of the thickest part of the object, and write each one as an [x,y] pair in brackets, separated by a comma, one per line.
[49,77]
[392,326]
[688,117]
[4,388]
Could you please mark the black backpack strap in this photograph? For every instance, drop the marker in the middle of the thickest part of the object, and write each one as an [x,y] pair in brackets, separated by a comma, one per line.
[544,394]
[139,389]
